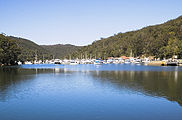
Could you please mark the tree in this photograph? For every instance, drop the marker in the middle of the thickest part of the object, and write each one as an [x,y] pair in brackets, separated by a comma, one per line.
[9,51]
[174,47]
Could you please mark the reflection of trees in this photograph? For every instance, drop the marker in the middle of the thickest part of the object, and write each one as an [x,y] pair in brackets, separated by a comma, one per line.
[166,84]
[162,84]
[10,78]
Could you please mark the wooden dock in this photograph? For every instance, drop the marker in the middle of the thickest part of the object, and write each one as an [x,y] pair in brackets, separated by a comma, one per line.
[164,63]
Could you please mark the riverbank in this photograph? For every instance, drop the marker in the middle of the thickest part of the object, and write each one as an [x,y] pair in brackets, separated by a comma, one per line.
[169,62]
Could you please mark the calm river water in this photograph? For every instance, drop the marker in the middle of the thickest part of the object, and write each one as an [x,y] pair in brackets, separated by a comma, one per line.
[90,92]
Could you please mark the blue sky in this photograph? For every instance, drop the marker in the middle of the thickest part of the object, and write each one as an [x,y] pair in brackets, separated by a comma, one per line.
[80,22]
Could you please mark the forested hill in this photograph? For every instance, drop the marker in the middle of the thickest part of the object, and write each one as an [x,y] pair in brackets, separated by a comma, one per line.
[164,40]
[31,50]
[60,50]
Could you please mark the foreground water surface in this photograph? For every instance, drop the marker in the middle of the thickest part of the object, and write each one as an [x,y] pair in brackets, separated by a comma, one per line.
[90,92]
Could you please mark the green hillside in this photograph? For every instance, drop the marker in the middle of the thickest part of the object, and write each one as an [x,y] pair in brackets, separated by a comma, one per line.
[164,40]
[29,50]
[60,50]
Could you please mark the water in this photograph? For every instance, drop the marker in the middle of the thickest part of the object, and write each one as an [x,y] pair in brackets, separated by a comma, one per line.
[90,92]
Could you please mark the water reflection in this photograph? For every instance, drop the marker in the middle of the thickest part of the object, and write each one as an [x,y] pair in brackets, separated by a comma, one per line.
[167,84]
[13,79]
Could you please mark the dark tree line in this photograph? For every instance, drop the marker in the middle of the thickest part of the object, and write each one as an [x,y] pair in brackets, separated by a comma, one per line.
[9,51]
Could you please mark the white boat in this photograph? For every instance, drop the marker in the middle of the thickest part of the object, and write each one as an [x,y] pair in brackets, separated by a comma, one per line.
[116,61]
[127,61]
[146,61]
[19,63]
[109,61]
[57,61]
[28,63]
[98,62]
[137,61]
[72,62]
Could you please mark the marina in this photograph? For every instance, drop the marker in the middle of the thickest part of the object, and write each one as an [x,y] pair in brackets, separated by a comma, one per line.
[111,60]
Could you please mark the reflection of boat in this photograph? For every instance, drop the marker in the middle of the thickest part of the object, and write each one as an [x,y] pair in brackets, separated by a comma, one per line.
[172,63]
[97,63]
[57,63]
